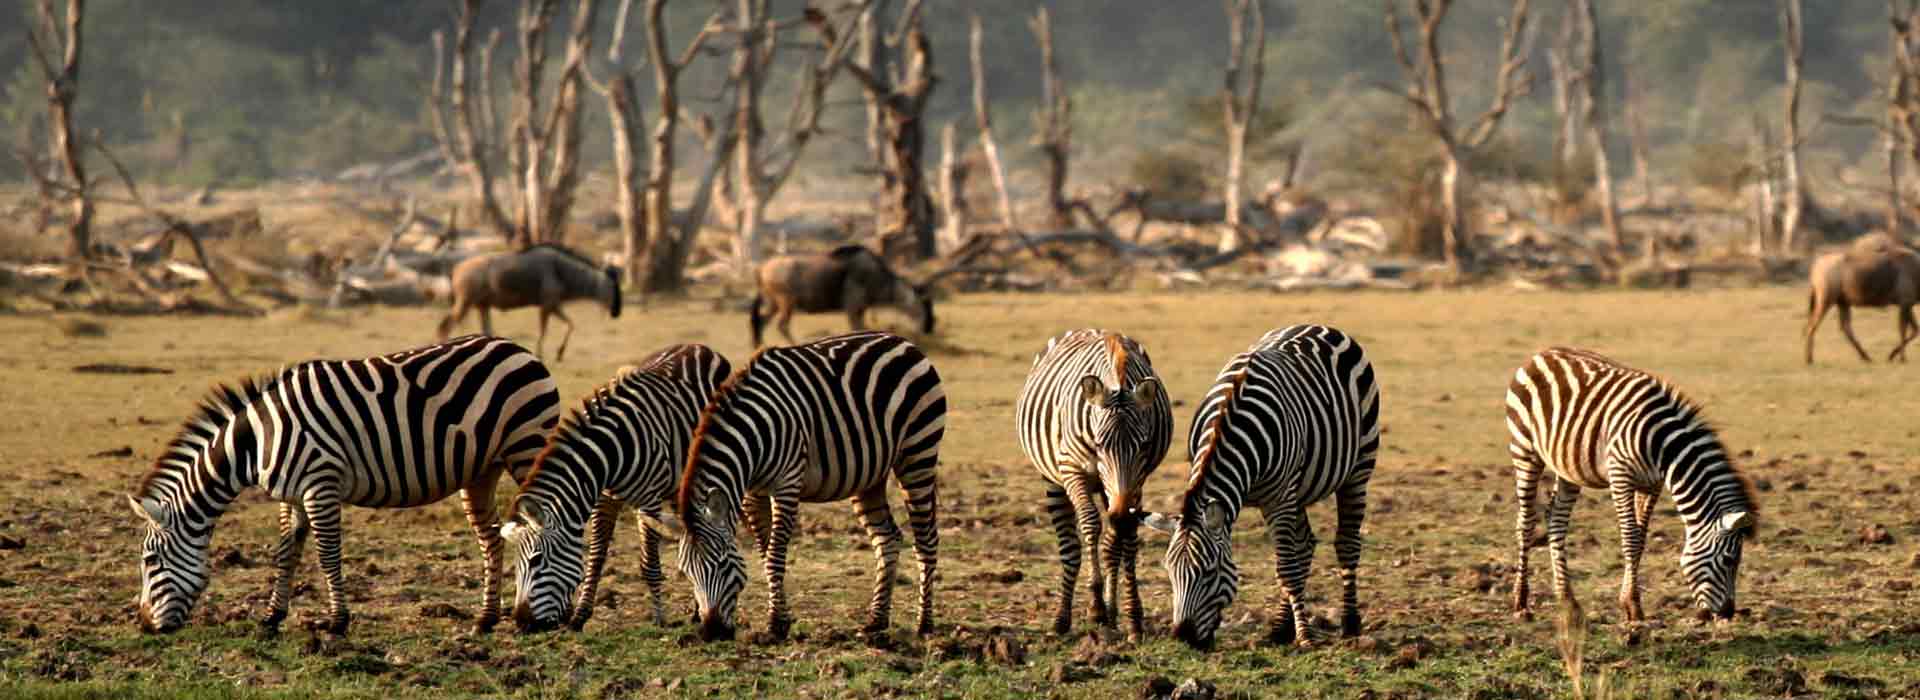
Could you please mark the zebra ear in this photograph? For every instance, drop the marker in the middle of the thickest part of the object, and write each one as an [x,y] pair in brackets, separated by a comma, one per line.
[1093,390]
[1164,523]
[149,510]
[1145,392]
[713,504]
[1737,521]
[1216,517]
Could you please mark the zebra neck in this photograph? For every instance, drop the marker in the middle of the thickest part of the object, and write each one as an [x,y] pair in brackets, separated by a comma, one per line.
[564,486]
[1704,489]
[207,482]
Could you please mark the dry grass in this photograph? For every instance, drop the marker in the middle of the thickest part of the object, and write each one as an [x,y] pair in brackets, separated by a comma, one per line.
[1831,446]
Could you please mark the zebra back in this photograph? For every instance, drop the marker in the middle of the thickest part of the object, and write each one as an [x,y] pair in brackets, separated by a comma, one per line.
[1572,409]
[629,436]
[851,405]
[1301,402]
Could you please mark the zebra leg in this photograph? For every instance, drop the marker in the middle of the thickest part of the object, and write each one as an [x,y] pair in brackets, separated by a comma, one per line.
[477,500]
[884,534]
[1633,541]
[1060,511]
[650,566]
[1526,484]
[1122,548]
[1087,518]
[1559,511]
[286,559]
[1352,511]
[323,516]
[786,510]
[757,512]
[922,489]
[606,514]
[1293,544]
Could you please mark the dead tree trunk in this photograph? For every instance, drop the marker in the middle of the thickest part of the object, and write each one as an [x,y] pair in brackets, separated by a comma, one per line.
[1790,122]
[752,57]
[1899,94]
[1593,75]
[1426,93]
[1566,95]
[1766,202]
[1240,100]
[667,249]
[1637,137]
[1053,128]
[623,115]
[903,97]
[542,147]
[983,117]
[59,56]
[953,193]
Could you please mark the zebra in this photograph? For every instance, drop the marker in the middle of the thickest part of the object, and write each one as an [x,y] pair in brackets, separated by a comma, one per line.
[395,431]
[623,446]
[1094,419]
[1289,422]
[1599,424]
[816,422]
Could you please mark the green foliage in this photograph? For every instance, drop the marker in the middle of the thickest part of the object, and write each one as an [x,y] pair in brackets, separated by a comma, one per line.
[1720,166]
[1172,174]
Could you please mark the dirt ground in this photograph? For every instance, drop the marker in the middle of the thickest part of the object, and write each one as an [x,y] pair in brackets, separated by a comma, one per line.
[1829,582]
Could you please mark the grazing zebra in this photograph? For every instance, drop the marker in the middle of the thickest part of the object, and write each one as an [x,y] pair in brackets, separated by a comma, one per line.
[624,446]
[401,430]
[1600,424]
[816,422]
[1095,421]
[1289,422]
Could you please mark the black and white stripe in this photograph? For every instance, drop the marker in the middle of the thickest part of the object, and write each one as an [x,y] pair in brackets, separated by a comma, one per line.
[395,431]
[623,447]
[1596,423]
[816,422]
[1094,419]
[1289,422]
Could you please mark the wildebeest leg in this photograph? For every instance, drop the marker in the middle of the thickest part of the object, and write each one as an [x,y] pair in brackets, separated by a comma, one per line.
[1816,312]
[857,318]
[452,320]
[486,320]
[1908,330]
[785,313]
[561,353]
[1846,326]
[540,346]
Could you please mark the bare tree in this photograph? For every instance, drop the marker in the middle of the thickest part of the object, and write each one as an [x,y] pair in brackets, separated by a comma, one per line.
[1637,137]
[983,117]
[623,116]
[59,58]
[543,144]
[667,249]
[1566,94]
[1899,99]
[1426,93]
[1053,122]
[1593,76]
[953,190]
[1240,100]
[1794,195]
[902,96]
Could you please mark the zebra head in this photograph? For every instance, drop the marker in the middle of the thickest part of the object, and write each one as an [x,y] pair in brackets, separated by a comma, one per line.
[173,565]
[1200,567]
[710,559]
[548,566]
[1711,561]
[1122,425]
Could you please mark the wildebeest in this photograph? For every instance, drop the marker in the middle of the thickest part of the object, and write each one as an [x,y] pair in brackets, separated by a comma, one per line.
[1877,270]
[544,275]
[851,278]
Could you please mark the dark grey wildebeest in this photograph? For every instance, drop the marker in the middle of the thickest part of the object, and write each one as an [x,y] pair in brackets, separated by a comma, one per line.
[850,278]
[544,275]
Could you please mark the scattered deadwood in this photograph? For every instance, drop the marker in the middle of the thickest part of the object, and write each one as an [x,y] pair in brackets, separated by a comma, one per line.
[116,368]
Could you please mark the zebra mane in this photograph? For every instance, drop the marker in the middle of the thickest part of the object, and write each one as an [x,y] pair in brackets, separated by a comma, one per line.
[683,496]
[1117,349]
[1203,457]
[591,406]
[220,405]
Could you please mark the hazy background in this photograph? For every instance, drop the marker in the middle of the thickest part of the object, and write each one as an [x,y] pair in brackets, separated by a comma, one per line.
[240,91]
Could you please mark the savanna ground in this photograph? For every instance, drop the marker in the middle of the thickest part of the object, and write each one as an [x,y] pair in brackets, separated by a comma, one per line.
[1830,449]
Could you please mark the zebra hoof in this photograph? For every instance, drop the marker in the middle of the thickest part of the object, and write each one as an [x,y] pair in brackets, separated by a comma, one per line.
[485,625]
[924,629]
[876,637]
[1350,625]
[1280,636]
[777,629]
